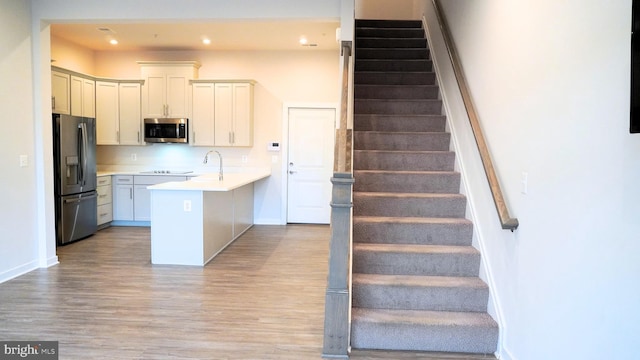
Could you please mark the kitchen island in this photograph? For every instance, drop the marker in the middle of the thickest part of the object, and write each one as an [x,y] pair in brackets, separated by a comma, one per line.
[194,220]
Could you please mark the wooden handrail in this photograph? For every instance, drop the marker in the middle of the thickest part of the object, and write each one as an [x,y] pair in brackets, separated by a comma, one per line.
[342,150]
[507,222]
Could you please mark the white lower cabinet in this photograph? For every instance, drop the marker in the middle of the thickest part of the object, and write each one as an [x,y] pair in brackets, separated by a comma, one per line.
[105,209]
[123,198]
[132,199]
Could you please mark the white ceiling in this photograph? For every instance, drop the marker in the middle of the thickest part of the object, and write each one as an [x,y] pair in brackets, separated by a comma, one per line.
[236,35]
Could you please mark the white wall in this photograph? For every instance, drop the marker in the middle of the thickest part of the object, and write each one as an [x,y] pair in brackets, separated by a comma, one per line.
[18,223]
[385,9]
[68,55]
[550,81]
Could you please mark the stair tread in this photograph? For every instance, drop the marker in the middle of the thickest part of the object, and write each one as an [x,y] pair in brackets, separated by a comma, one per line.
[401,132]
[415,248]
[377,100]
[403,194]
[396,85]
[418,280]
[400,152]
[394,72]
[409,220]
[408,172]
[423,317]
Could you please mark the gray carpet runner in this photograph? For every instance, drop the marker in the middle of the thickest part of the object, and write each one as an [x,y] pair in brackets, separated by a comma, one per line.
[415,273]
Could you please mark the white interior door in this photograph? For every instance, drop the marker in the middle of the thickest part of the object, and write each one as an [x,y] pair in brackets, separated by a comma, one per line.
[310,165]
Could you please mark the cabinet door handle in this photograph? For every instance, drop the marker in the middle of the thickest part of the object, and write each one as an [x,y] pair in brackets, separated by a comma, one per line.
[131,194]
[230,141]
[138,137]
[53,102]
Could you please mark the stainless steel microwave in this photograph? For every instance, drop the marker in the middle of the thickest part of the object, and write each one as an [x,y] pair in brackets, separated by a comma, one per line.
[166,130]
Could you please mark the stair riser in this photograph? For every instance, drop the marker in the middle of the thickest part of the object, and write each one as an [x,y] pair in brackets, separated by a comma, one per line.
[445,206]
[400,43]
[399,54]
[447,183]
[395,78]
[437,161]
[458,234]
[399,263]
[366,140]
[418,92]
[378,296]
[397,107]
[393,65]
[421,123]
[463,339]
[389,33]
[386,24]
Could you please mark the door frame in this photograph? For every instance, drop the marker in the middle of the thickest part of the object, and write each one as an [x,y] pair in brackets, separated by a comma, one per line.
[284,148]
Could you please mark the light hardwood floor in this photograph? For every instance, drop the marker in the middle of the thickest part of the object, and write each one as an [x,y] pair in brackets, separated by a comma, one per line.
[261,298]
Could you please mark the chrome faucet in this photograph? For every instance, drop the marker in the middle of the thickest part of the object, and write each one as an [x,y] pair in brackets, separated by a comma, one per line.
[206,159]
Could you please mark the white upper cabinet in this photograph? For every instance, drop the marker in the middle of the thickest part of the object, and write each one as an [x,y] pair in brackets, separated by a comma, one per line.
[242,127]
[107,119]
[203,115]
[83,96]
[234,114]
[130,113]
[60,93]
[118,114]
[166,89]
[222,113]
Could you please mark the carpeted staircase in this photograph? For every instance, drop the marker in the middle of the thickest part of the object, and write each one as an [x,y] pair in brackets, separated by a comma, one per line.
[415,273]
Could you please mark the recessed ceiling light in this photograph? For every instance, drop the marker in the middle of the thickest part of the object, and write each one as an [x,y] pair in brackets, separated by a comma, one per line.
[113,42]
[303,40]
[206,41]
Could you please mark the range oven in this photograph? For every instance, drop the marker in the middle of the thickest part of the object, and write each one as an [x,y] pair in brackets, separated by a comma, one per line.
[166,130]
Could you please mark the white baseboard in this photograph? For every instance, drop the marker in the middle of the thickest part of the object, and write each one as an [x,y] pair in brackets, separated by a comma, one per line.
[19,270]
[268,221]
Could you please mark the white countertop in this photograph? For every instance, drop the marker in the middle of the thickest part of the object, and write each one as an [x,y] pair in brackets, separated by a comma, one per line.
[210,182]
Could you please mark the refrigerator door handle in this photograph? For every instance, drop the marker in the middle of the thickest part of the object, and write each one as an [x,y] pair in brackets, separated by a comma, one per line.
[82,152]
[80,199]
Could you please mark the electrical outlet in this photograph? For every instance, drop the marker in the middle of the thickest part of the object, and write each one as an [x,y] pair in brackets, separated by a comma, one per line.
[245,159]
[134,157]
[24,160]
[187,205]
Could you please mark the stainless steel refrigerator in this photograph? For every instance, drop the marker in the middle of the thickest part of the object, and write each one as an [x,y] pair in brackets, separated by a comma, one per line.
[74,151]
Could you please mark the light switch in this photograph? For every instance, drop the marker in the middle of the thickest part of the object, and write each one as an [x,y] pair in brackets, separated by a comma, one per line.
[187,205]
[24,160]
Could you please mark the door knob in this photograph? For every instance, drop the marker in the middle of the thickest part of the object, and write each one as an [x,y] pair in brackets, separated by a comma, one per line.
[292,172]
